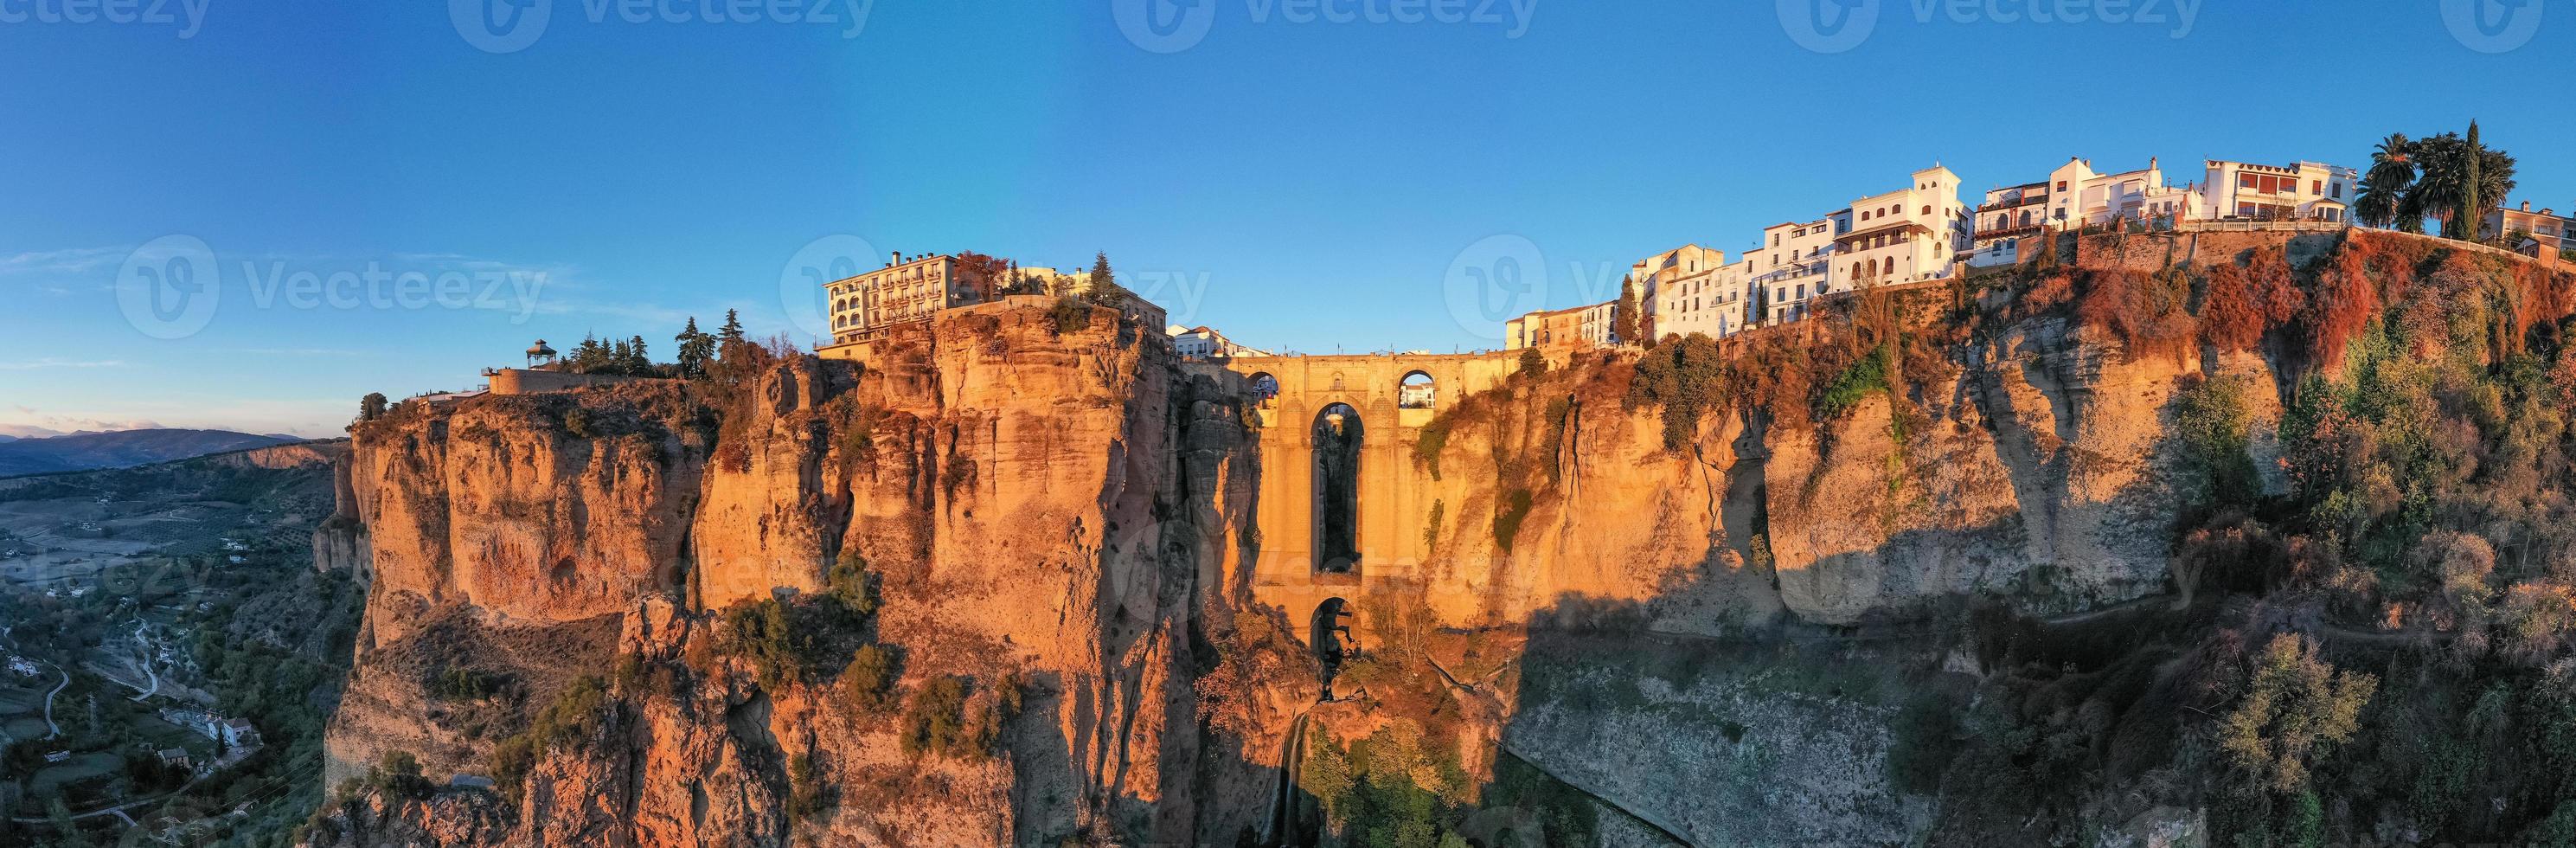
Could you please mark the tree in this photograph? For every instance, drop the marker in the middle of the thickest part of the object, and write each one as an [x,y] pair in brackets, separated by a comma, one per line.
[371,407]
[695,349]
[1626,320]
[1533,363]
[1102,281]
[2295,706]
[2464,224]
[729,336]
[637,363]
[2459,180]
[867,685]
[2383,188]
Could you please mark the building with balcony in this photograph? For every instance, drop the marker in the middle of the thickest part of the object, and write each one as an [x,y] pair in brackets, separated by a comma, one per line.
[1903,236]
[906,289]
[2551,231]
[2306,191]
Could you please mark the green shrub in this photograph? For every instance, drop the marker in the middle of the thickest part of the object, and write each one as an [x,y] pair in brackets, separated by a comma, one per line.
[935,721]
[1864,376]
[2212,427]
[851,583]
[1509,511]
[867,685]
[807,793]
[1533,364]
[575,716]
[1072,314]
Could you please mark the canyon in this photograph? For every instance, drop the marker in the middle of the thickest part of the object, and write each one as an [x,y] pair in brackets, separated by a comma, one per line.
[1692,618]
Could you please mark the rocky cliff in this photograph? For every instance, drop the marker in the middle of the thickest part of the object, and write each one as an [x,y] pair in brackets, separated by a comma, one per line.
[653,612]
[1003,488]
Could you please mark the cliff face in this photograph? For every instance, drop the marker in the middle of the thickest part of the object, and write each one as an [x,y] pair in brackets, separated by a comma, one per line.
[1022,499]
[2029,462]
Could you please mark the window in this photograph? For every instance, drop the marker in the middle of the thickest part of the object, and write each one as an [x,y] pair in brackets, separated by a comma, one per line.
[2338,190]
[2316,186]
[2061,185]
[1927,209]
[1775,239]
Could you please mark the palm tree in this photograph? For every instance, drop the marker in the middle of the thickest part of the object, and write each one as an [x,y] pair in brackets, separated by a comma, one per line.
[2383,189]
[2461,181]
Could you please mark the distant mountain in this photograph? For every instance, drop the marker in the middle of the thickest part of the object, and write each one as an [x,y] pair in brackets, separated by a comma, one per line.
[85,451]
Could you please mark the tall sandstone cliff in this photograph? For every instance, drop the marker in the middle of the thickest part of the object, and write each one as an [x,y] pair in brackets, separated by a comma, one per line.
[1011,488]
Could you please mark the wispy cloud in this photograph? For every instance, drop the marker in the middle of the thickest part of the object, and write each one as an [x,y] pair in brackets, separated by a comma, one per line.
[70,261]
[50,362]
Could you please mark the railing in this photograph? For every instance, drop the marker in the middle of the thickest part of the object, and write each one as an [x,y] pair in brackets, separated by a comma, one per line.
[2296,226]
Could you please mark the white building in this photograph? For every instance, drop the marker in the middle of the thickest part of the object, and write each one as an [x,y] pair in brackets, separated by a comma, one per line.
[1656,274]
[1712,301]
[1202,343]
[2309,191]
[1903,236]
[1788,267]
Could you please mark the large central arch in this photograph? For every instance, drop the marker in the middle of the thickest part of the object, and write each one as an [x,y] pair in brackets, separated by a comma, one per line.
[1339,437]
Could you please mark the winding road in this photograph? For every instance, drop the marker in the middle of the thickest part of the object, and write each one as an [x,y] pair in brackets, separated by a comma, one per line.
[55,731]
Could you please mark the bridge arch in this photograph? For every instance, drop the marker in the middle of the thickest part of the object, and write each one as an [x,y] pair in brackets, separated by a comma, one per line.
[1417,390]
[1339,438]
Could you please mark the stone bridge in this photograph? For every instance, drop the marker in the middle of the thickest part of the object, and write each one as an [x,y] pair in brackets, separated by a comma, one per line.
[1343,507]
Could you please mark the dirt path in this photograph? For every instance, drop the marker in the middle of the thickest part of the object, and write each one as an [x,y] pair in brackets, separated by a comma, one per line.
[55,731]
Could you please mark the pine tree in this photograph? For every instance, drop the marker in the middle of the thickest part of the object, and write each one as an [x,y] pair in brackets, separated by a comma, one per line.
[731,332]
[1102,281]
[695,348]
[729,339]
[371,407]
[2464,224]
[638,362]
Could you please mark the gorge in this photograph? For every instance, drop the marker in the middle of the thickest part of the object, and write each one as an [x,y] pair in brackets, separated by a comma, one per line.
[1996,560]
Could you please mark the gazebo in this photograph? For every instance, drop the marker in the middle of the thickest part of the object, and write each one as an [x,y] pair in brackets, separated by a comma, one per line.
[539,354]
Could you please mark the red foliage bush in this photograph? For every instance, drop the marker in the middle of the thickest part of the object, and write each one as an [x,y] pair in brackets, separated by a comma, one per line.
[2150,313]
[2343,302]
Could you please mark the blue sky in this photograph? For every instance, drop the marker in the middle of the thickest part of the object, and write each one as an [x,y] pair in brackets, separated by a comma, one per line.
[1297,182]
